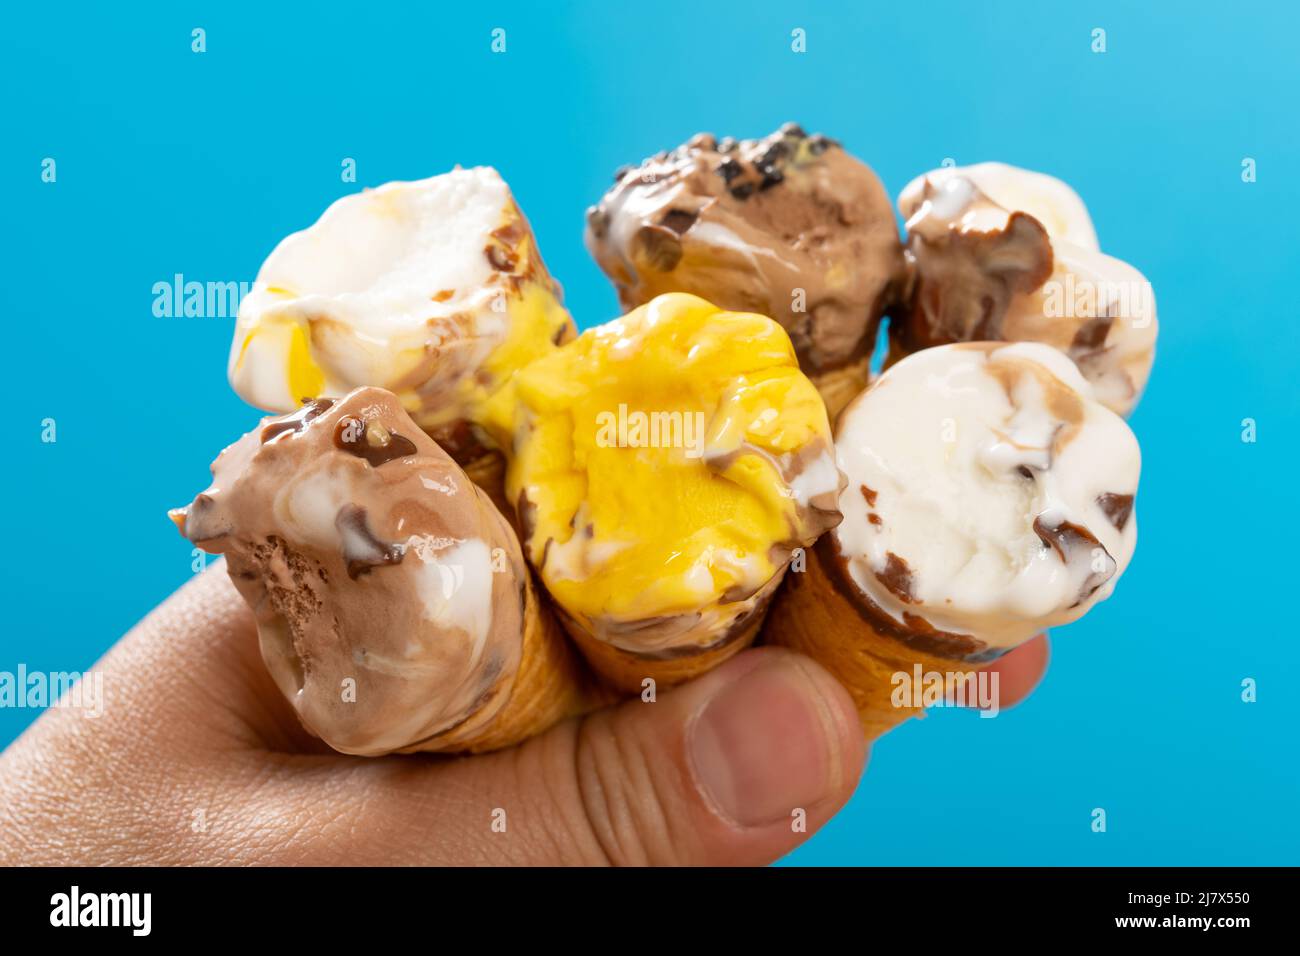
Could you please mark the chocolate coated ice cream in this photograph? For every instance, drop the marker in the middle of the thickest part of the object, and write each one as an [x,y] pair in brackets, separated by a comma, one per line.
[789,226]
[388,590]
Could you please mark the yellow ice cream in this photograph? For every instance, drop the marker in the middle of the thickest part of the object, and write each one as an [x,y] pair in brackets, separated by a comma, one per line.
[666,465]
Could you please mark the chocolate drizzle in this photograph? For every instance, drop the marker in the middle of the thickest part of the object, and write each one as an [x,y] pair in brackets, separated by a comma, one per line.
[1065,538]
[1091,335]
[1070,541]
[296,421]
[1117,508]
[371,441]
[914,631]
[965,281]
[362,550]
[500,258]
[504,250]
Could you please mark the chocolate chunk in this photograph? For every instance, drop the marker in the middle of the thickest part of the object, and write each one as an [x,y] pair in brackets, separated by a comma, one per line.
[774,153]
[500,258]
[361,549]
[1091,335]
[743,191]
[873,518]
[1024,472]
[678,220]
[657,247]
[373,442]
[771,177]
[897,578]
[793,130]
[297,421]
[965,282]
[1067,539]
[622,171]
[869,495]
[729,169]
[1117,508]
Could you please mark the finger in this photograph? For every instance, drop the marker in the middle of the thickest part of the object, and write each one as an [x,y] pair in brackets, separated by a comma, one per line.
[194,663]
[1020,670]
[737,767]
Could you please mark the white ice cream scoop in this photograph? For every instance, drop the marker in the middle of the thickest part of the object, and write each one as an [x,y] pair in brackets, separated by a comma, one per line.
[431,289]
[989,496]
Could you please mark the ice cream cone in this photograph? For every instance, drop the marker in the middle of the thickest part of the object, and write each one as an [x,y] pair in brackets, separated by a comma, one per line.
[666,465]
[446,297]
[790,226]
[989,497]
[394,608]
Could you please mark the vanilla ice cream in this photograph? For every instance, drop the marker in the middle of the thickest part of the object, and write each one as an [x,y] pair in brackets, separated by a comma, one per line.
[989,496]
[431,289]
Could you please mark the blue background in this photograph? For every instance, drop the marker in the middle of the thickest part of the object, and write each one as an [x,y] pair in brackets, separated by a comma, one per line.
[171,161]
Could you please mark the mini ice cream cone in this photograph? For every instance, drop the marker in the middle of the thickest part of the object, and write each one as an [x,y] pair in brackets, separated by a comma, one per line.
[996,253]
[434,290]
[395,610]
[989,497]
[789,226]
[665,466]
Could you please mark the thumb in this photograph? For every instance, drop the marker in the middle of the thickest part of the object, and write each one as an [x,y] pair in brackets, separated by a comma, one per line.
[736,768]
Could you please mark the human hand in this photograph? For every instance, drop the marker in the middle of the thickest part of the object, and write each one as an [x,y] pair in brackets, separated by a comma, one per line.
[197,759]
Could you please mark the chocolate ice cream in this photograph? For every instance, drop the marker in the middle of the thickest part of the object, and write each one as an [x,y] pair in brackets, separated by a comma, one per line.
[391,596]
[790,226]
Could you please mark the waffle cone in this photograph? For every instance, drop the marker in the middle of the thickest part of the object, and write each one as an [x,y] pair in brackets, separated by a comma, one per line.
[488,471]
[551,685]
[839,386]
[815,616]
[624,671]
